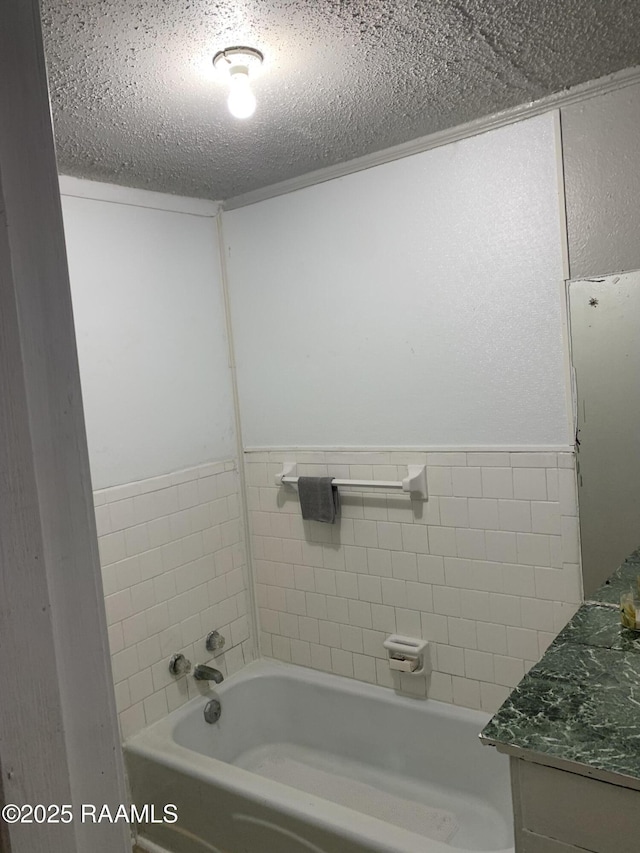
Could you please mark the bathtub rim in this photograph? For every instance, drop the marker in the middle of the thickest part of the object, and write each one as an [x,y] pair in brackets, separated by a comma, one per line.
[265,667]
[156,743]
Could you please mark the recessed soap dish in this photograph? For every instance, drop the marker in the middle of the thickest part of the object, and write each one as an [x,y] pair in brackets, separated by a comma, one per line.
[406,654]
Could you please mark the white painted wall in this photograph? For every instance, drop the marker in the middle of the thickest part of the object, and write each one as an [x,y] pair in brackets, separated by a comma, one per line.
[416,303]
[151,333]
[600,146]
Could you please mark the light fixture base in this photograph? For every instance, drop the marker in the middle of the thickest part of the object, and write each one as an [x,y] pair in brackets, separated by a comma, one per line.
[230,57]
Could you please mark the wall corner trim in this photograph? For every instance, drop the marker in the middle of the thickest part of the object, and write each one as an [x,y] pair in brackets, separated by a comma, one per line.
[433,448]
[565,98]
[98,191]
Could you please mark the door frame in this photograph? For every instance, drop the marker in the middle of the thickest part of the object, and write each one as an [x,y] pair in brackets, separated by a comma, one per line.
[59,741]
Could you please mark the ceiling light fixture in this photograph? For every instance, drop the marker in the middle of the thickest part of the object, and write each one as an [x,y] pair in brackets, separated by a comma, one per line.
[237,62]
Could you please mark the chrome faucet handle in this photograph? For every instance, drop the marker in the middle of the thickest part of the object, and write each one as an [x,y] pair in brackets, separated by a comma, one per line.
[179,665]
[215,641]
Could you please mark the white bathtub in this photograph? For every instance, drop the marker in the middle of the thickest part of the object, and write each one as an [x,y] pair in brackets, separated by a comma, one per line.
[414,763]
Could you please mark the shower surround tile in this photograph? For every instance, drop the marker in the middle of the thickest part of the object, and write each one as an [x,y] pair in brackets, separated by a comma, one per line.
[174,568]
[481,569]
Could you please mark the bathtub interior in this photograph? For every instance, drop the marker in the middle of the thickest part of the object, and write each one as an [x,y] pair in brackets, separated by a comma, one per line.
[416,764]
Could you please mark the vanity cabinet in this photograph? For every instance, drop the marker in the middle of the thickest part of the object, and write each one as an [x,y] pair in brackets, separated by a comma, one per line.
[556,811]
[572,731]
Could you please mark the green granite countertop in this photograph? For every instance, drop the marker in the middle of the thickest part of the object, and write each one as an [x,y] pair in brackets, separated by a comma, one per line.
[581,703]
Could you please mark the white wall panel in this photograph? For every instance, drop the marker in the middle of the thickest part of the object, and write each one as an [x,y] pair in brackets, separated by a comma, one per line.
[151,339]
[414,303]
[601,157]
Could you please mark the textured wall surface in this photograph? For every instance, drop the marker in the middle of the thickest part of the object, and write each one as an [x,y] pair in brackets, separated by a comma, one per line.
[136,101]
[602,175]
[415,303]
[151,337]
[173,569]
[486,569]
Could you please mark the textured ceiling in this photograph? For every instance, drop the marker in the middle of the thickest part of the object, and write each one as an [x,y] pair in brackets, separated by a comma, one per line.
[136,100]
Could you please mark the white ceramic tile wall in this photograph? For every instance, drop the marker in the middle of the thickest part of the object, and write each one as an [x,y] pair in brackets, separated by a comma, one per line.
[174,568]
[487,569]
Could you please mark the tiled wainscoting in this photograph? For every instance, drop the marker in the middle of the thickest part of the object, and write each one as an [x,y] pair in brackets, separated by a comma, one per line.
[174,568]
[486,569]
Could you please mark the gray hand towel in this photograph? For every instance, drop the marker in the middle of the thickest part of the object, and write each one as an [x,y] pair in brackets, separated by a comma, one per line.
[319,500]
